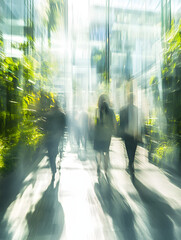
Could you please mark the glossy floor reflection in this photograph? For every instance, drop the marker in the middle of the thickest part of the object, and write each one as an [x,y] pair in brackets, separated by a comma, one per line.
[81,206]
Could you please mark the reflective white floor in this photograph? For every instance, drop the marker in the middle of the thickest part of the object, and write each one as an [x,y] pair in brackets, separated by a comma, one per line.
[79,206]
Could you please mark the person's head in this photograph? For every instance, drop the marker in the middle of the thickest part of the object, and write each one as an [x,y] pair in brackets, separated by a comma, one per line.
[103,98]
[104,107]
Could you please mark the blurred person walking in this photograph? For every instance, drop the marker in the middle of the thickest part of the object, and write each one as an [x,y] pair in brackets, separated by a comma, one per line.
[55,122]
[130,130]
[78,129]
[104,127]
[83,129]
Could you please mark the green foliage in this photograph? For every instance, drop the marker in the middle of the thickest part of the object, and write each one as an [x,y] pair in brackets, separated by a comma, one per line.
[8,150]
[21,101]
[117,119]
[161,150]
[162,146]
[171,80]
[155,90]
[54,13]
[31,136]
[1,154]
[165,152]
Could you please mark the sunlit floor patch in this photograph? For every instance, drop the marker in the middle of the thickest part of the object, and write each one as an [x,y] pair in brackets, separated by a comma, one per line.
[85,206]
[34,186]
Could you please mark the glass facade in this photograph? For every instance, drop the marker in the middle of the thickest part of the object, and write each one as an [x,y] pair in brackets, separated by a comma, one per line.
[18,20]
[63,55]
[113,42]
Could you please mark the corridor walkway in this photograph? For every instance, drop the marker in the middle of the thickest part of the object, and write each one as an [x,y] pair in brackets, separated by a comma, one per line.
[79,206]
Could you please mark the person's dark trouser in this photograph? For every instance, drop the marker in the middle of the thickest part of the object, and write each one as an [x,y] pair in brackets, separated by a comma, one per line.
[52,153]
[131,145]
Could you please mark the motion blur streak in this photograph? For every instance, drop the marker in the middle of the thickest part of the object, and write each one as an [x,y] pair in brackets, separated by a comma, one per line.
[90,120]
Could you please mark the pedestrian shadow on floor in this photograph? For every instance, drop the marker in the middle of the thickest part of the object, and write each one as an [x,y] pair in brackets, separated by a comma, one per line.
[173,177]
[82,155]
[159,212]
[47,220]
[114,204]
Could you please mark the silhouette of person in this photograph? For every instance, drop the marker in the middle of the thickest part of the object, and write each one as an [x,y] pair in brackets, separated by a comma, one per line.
[105,124]
[55,122]
[130,130]
[83,128]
